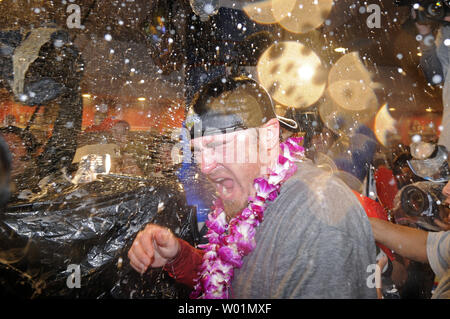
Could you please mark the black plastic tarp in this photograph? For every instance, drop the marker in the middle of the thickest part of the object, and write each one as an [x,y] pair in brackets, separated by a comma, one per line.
[91,225]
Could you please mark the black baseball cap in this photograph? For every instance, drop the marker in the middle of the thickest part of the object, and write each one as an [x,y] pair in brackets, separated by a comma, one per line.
[228,104]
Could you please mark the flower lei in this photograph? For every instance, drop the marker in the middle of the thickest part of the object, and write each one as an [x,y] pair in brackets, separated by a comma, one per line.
[229,243]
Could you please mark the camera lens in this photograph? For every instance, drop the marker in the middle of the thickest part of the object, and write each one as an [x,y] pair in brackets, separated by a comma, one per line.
[414,201]
[436,9]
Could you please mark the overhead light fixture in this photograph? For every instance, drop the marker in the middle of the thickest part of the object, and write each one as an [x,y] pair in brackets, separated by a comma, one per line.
[88,96]
[141,99]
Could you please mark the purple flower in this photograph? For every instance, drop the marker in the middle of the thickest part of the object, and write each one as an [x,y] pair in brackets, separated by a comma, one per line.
[213,238]
[217,224]
[244,234]
[282,160]
[273,195]
[263,188]
[246,213]
[230,256]
[257,208]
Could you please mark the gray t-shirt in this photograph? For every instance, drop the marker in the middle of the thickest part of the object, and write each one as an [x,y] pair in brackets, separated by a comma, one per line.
[315,242]
[438,253]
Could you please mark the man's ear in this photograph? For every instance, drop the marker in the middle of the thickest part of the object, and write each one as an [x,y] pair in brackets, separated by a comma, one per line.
[272,133]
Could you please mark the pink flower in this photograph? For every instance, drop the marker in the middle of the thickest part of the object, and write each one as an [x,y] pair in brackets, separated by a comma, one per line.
[244,238]
[230,256]
[246,213]
[263,188]
[292,150]
[282,160]
[273,195]
[213,238]
[217,224]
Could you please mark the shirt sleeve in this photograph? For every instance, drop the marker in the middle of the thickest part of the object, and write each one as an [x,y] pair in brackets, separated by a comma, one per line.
[438,252]
[185,266]
[443,289]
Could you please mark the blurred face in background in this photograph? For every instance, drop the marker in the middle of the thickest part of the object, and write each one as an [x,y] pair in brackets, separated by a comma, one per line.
[17,147]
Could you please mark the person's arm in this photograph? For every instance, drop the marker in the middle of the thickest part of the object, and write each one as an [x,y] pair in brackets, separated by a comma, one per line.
[406,241]
[184,267]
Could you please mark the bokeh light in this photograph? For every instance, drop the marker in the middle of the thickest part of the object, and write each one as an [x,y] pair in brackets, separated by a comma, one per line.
[292,73]
[262,12]
[305,15]
[384,125]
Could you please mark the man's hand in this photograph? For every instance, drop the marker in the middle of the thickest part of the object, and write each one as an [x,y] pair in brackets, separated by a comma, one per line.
[154,246]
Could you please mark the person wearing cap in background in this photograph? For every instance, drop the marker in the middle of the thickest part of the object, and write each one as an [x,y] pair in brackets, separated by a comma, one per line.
[280,228]
[431,243]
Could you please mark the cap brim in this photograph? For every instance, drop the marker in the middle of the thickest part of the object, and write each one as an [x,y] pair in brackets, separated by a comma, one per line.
[289,123]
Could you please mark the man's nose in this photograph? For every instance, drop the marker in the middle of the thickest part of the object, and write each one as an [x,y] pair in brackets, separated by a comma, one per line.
[208,161]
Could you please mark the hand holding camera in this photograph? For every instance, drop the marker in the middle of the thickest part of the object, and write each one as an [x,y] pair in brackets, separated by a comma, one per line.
[428,11]
[424,202]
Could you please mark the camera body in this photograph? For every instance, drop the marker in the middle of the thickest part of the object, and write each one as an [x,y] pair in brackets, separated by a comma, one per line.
[428,10]
[421,203]
[420,200]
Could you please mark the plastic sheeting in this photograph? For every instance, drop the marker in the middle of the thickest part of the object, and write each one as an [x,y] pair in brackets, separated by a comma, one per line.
[90,225]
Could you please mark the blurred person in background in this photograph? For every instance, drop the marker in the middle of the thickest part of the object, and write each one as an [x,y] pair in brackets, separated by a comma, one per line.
[22,146]
[415,244]
[420,236]
[435,63]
